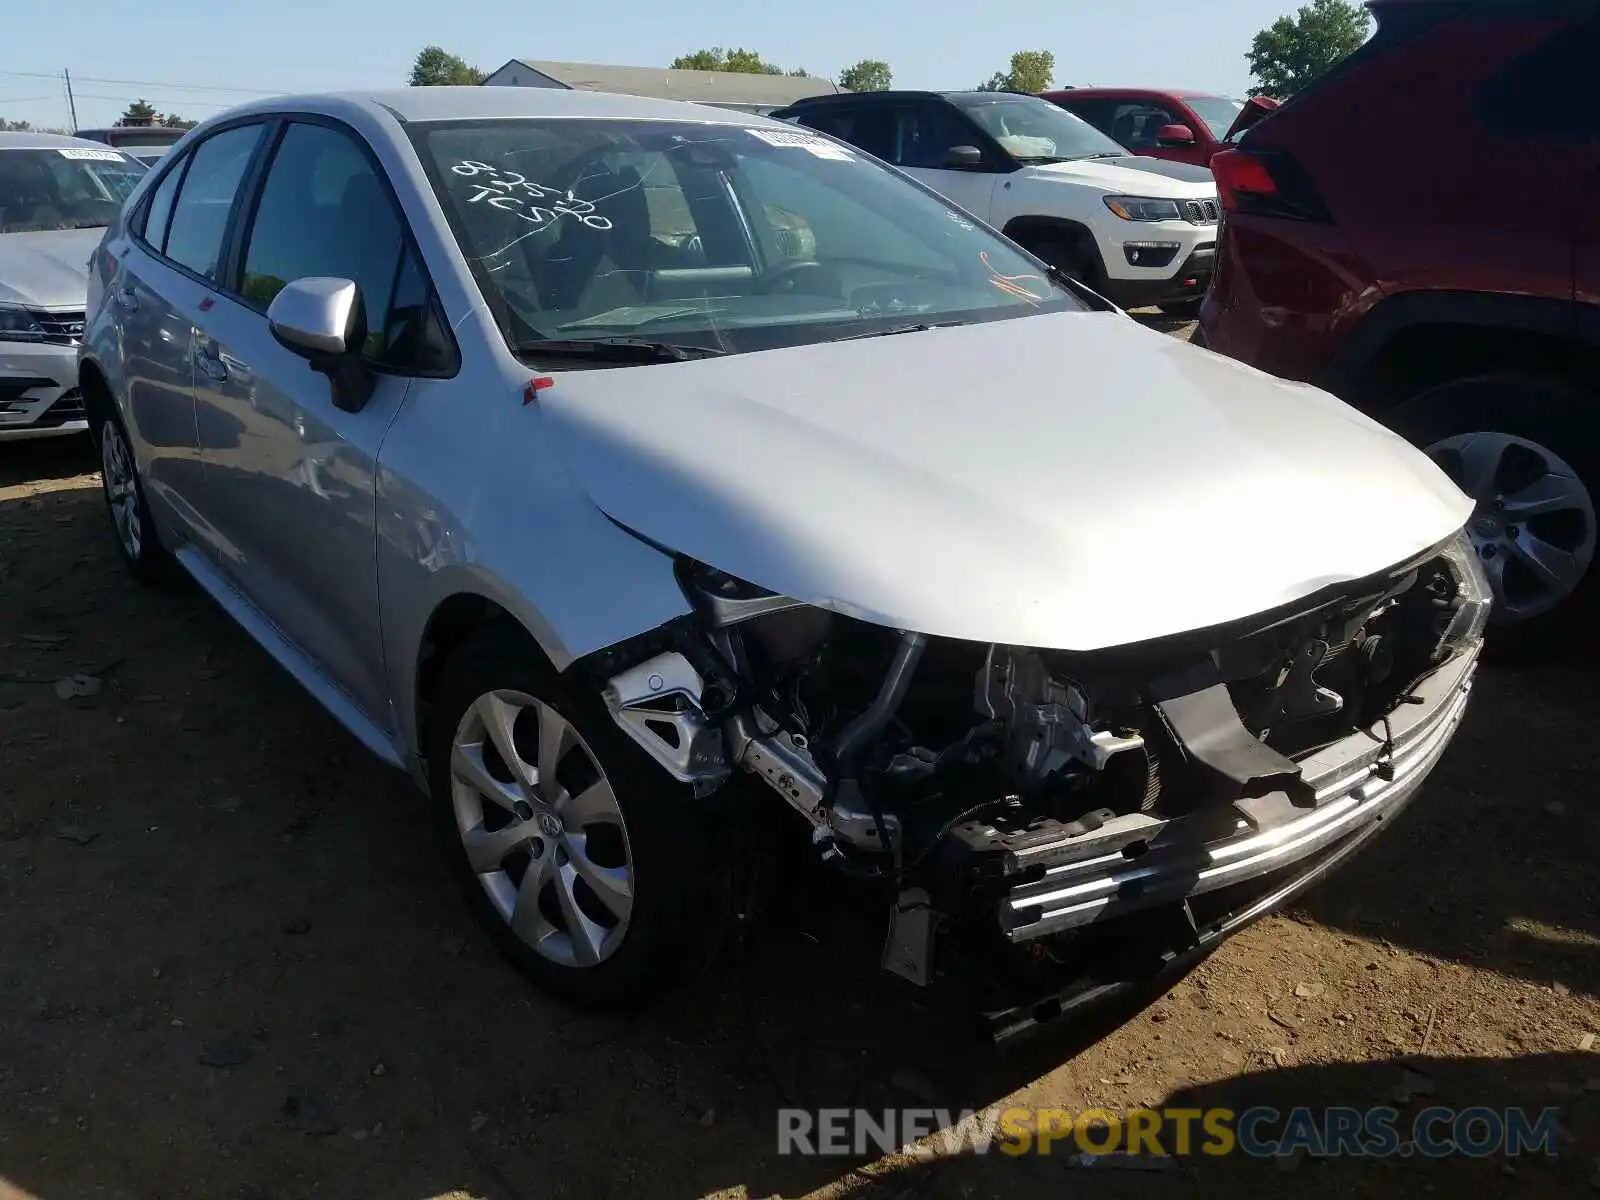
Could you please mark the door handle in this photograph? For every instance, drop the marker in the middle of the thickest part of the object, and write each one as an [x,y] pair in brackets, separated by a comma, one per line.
[127,299]
[213,367]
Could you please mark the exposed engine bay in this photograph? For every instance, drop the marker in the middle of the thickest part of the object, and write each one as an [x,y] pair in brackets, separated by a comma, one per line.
[1012,797]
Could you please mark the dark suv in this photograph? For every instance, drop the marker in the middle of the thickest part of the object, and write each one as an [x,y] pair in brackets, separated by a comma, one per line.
[1444,276]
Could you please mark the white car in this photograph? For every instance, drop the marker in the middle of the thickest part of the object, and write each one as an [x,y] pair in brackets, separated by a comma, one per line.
[629,472]
[57,195]
[1140,231]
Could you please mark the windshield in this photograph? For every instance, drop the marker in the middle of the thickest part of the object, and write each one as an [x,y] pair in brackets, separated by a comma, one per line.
[711,235]
[63,187]
[1035,130]
[1218,112]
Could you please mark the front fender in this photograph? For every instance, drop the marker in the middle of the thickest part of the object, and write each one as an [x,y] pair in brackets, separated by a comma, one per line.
[487,510]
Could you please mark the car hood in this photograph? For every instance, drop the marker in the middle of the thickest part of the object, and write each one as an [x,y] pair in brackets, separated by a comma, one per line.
[47,268]
[1134,176]
[1070,480]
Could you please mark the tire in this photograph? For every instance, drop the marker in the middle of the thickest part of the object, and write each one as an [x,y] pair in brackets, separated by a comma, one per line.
[132,527]
[639,841]
[1495,436]
[1072,260]
[1182,310]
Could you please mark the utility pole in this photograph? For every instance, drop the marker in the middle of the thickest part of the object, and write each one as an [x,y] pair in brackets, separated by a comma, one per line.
[72,104]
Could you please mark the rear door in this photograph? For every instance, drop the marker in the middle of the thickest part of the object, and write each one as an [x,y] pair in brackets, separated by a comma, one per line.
[167,278]
[290,478]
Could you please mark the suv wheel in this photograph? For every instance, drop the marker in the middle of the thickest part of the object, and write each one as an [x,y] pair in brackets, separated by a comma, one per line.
[1522,449]
[584,861]
[1071,259]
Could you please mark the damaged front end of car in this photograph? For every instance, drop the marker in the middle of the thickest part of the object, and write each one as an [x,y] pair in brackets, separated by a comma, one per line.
[1053,826]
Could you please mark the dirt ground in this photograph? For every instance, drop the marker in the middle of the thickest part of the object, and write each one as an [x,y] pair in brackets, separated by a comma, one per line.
[233,965]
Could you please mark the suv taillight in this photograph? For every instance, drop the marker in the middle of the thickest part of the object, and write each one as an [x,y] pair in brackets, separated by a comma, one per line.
[1266,183]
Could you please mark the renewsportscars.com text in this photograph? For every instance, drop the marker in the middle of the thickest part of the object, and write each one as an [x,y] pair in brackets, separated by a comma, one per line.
[1435,1132]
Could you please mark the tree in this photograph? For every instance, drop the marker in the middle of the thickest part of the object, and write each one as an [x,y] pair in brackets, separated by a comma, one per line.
[435,67]
[1293,51]
[1032,71]
[14,126]
[738,60]
[140,112]
[174,121]
[868,75]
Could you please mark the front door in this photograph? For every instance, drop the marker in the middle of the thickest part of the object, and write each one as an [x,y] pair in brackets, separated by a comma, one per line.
[925,134]
[290,478]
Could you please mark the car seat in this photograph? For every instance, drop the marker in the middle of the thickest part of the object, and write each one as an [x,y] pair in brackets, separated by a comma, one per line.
[591,270]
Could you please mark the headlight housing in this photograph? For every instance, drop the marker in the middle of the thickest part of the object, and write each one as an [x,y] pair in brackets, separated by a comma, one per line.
[1474,597]
[17,324]
[1144,208]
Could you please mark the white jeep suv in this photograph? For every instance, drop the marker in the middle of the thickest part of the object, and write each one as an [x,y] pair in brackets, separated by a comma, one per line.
[1141,231]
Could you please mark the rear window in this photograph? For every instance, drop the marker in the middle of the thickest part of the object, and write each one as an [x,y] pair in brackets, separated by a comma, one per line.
[1546,92]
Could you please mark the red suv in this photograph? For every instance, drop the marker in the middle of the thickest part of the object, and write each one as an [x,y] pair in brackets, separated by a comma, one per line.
[1419,233]
[1183,126]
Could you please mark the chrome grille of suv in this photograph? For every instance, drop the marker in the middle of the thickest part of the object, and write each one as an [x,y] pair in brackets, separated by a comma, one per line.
[61,328]
[1201,212]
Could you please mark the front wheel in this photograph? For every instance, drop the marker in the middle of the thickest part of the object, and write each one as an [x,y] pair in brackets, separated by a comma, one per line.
[1071,260]
[1523,450]
[583,860]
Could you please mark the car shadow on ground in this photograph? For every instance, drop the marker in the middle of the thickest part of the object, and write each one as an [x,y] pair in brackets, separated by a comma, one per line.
[45,459]
[1180,327]
[1557,1098]
[235,962]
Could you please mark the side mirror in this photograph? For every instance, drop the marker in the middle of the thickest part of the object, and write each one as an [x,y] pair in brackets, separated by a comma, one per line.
[963,158]
[1175,135]
[324,322]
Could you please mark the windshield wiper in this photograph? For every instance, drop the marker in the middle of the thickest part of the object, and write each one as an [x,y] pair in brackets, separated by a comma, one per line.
[918,327]
[1098,154]
[617,349]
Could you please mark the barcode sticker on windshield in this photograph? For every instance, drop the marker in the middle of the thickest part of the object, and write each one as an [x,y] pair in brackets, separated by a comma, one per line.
[90,155]
[820,147]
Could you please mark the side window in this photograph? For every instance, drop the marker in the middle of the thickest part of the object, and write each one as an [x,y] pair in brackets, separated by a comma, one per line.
[325,211]
[1099,113]
[205,198]
[1547,91]
[870,127]
[159,211]
[927,133]
[1138,125]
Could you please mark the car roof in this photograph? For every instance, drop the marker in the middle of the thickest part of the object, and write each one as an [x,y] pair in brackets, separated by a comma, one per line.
[846,98]
[46,141]
[1094,93]
[488,103]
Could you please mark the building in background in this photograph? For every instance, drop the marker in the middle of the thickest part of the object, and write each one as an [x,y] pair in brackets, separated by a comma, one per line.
[725,89]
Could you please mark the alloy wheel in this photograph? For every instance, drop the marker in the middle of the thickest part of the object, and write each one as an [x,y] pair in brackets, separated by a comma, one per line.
[541,828]
[1534,521]
[122,490]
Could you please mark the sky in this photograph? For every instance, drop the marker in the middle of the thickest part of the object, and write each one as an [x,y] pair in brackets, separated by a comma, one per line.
[198,57]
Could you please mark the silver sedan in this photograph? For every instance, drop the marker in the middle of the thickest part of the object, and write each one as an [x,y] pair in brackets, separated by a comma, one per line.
[629,471]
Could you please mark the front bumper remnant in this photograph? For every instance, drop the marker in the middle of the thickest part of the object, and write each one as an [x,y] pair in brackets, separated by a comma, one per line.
[1136,862]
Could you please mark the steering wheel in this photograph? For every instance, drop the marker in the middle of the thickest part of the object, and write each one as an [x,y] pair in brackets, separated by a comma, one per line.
[793,277]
